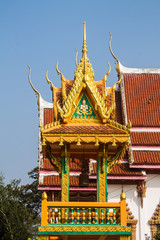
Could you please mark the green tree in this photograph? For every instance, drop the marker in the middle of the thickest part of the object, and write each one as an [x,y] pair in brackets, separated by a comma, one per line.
[157,236]
[19,209]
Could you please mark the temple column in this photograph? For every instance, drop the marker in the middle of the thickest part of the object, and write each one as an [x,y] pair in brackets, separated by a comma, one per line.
[102,176]
[65,169]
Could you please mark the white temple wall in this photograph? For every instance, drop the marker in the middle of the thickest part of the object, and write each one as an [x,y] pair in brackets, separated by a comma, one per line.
[143,215]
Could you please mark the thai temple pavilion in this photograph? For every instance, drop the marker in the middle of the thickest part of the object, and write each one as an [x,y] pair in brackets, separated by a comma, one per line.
[99,155]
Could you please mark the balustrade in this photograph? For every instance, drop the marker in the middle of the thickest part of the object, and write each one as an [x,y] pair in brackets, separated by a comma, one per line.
[82,213]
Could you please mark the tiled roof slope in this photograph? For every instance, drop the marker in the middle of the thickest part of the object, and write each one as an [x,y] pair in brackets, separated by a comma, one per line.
[146,158]
[75,165]
[145,138]
[48,116]
[124,170]
[87,129]
[142,93]
[118,170]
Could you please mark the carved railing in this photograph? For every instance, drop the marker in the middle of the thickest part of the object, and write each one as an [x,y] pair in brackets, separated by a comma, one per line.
[79,213]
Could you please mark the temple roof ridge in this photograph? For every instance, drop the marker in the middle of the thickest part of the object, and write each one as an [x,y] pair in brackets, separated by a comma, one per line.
[126,70]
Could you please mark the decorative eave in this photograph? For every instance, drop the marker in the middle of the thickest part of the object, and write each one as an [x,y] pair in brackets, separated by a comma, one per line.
[126,70]
[124,129]
[116,134]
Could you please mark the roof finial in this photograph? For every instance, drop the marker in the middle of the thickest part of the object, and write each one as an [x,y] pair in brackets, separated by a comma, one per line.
[84,48]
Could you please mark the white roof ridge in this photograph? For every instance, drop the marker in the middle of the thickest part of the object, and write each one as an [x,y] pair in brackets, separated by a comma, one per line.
[126,70]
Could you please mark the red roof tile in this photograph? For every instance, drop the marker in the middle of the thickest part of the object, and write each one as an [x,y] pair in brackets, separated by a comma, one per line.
[69,86]
[47,165]
[75,165]
[124,170]
[48,116]
[142,93]
[86,129]
[145,138]
[118,170]
[118,112]
[56,181]
[52,181]
[147,158]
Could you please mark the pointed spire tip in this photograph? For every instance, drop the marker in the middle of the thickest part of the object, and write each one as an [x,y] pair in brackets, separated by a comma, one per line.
[84,48]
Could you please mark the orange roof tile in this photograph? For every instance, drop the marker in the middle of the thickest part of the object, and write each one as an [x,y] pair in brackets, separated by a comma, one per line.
[100,89]
[142,93]
[145,138]
[86,129]
[146,158]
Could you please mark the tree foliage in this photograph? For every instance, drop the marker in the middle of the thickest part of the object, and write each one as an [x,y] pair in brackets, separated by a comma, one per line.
[19,208]
[157,236]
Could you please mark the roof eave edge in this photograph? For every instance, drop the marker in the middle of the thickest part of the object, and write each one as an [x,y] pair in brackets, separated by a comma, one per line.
[125,70]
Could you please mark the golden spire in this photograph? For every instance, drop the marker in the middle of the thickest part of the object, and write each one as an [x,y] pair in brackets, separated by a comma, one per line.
[84,48]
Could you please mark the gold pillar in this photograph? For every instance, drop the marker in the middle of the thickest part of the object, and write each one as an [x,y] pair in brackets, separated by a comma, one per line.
[44,216]
[65,168]
[133,226]
[102,176]
[153,231]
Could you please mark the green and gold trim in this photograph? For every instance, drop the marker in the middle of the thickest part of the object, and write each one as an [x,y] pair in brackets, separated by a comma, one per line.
[84,230]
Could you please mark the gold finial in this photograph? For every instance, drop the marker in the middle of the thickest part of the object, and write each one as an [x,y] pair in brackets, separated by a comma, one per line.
[84,48]
[105,76]
[48,81]
[36,92]
[123,195]
[118,82]
[116,59]
[44,196]
[59,73]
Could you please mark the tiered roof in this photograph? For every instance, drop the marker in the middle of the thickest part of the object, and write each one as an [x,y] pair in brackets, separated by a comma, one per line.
[137,100]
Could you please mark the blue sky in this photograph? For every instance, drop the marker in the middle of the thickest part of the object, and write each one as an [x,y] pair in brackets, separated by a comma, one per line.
[39,33]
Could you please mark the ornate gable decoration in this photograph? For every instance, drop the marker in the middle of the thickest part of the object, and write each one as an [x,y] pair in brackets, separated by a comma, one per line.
[84,109]
[155,219]
[83,84]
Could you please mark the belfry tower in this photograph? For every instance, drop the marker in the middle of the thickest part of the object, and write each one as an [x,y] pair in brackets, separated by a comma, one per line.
[80,128]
